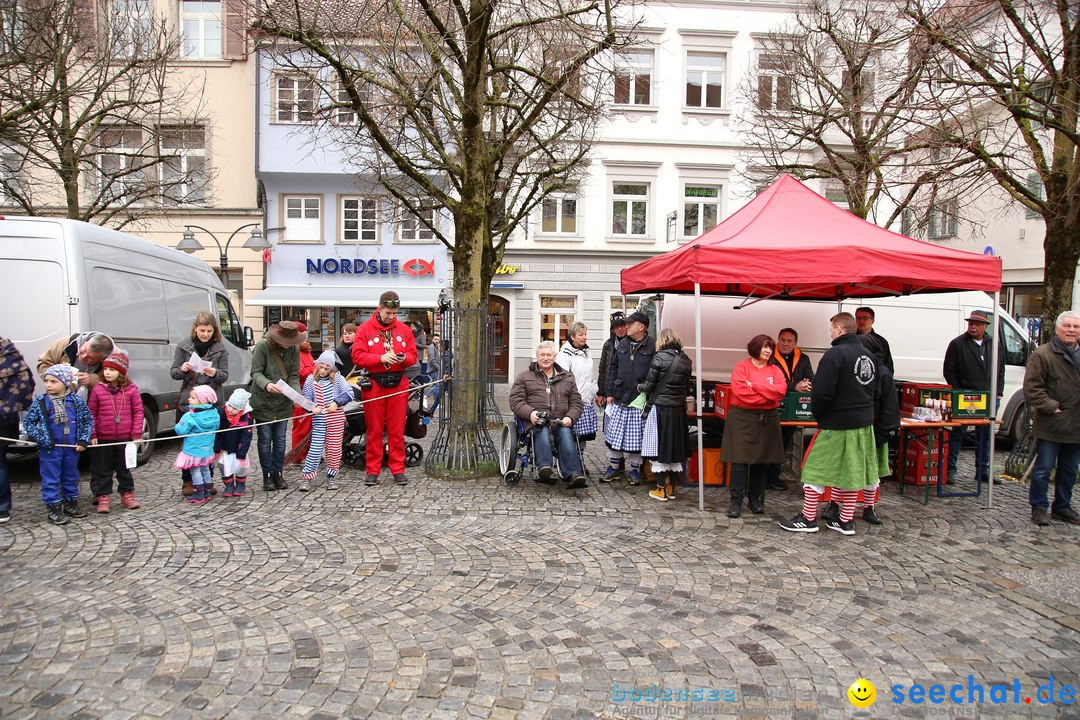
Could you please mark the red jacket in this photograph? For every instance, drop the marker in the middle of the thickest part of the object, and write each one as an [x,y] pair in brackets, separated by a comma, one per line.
[757,388]
[369,345]
[107,403]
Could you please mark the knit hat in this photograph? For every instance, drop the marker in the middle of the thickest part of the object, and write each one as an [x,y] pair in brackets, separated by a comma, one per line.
[617,318]
[205,393]
[63,373]
[239,400]
[328,357]
[118,361]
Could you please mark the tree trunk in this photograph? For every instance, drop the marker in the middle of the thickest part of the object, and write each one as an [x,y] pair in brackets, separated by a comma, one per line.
[1061,248]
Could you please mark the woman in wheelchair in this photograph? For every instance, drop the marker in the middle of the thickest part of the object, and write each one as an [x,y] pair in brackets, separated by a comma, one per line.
[546,398]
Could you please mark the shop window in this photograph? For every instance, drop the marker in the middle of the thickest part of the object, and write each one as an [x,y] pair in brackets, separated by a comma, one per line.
[701,209]
[557,313]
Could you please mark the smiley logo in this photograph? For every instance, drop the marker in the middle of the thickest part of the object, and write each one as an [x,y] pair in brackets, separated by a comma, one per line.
[862,693]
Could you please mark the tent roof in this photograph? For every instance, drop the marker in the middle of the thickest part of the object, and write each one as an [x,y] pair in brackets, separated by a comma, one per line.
[790,242]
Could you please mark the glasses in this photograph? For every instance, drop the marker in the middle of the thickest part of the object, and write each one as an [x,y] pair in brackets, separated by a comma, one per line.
[392,304]
[863,317]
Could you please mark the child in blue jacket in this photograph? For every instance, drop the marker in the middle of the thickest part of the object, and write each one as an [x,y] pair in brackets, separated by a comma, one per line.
[59,417]
[198,426]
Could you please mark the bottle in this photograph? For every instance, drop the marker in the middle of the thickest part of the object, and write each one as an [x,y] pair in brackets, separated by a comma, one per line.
[712,399]
[948,409]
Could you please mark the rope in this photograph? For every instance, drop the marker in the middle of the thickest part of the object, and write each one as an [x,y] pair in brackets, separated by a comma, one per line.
[411,388]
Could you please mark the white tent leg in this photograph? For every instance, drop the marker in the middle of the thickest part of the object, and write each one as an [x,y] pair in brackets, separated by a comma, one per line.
[995,348]
[698,402]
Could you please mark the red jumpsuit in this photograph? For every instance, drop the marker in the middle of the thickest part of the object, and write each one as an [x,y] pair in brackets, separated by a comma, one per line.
[372,341]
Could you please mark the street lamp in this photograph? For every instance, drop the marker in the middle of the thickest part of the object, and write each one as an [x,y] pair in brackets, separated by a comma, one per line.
[255,241]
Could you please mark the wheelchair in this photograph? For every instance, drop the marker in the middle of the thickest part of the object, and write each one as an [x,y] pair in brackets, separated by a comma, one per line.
[354,444]
[516,456]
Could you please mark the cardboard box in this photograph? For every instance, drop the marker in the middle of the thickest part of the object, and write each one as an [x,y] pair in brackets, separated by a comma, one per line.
[723,399]
[796,406]
[716,471]
[966,404]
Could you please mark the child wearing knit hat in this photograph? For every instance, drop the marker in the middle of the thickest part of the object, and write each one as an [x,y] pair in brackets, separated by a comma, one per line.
[61,424]
[117,408]
[198,427]
[233,442]
[329,391]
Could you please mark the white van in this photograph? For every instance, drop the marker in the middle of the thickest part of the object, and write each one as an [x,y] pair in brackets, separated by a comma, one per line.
[918,328]
[61,277]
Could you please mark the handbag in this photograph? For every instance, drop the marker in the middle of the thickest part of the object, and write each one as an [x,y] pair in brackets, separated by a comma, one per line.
[388,379]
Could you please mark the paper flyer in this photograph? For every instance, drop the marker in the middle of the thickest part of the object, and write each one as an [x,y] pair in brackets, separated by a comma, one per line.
[198,365]
[296,397]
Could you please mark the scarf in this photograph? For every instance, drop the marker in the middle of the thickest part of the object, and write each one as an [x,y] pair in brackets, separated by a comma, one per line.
[1071,354]
[202,347]
[59,409]
[236,420]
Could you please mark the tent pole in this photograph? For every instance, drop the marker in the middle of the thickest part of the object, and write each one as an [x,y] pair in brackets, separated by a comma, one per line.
[698,402]
[995,348]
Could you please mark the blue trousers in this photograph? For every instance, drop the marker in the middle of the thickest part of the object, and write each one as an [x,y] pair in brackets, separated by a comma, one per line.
[1065,456]
[59,468]
[569,462]
[200,475]
[8,430]
[272,446]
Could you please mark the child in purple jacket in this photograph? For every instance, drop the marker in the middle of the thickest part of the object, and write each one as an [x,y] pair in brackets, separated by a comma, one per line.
[118,419]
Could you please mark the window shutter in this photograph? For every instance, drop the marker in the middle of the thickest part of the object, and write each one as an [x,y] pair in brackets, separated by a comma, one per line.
[236,27]
[85,21]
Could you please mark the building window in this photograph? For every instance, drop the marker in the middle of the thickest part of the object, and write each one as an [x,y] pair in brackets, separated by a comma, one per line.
[701,209]
[295,99]
[122,166]
[705,80]
[835,193]
[10,162]
[557,313]
[417,227]
[131,27]
[1035,187]
[200,22]
[9,25]
[344,114]
[863,94]
[183,170]
[633,78]
[359,220]
[303,218]
[559,215]
[943,220]
[775,82]
[629,209]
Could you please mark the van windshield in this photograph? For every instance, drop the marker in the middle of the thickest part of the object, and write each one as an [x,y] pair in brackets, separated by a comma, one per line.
[1015,344]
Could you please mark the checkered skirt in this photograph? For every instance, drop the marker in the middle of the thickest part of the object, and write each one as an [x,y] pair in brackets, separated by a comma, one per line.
[587,425]
[650,436]
[623,428]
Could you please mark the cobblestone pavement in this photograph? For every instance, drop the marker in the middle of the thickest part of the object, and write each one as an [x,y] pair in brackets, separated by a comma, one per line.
[449,599]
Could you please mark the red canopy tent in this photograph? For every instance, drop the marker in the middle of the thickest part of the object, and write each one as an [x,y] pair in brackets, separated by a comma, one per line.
[791,243]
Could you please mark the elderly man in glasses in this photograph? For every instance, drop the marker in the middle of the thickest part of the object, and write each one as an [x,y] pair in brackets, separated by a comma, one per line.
[384,346]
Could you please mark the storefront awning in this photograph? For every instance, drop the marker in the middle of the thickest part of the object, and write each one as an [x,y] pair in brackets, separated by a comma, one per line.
[368,296]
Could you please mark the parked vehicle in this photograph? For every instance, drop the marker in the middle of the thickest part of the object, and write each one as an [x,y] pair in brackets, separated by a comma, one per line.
[918,328]
[64,276]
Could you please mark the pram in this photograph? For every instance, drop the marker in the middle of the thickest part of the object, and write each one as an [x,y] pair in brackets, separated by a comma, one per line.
[354,446]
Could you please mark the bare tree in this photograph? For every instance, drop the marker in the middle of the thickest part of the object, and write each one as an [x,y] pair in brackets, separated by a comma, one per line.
[97,120]
[480,109]
[835,95]
[1016,66]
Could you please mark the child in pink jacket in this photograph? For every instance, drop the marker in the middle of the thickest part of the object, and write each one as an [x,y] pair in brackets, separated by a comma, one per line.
[118,420]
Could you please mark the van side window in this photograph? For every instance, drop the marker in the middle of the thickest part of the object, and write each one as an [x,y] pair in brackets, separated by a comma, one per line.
[230,326]
[127,307]
[1016,345]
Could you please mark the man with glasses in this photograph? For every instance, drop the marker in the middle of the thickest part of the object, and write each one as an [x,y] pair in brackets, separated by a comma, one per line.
[384,346]
[864,324]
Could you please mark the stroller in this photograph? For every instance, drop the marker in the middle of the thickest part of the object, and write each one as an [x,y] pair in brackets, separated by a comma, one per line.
[354,446]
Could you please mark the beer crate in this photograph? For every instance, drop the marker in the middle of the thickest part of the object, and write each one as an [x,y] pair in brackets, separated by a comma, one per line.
[796,406]
[716,470]
[723,399]
[909,394]
[966,404]
[913,465]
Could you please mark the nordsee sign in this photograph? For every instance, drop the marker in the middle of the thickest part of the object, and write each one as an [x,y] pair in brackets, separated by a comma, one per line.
[415,267]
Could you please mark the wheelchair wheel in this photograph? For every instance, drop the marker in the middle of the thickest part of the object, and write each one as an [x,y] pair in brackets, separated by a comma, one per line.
[512,477]
[508,449]
[414,454]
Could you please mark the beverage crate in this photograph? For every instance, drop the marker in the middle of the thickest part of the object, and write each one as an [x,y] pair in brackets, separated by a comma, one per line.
[723,399]
[966,404]
[913,465]
[796,406]
[909,394]
[716,470]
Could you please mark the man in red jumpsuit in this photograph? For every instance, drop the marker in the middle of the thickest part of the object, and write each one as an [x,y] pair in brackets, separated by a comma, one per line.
[384,346]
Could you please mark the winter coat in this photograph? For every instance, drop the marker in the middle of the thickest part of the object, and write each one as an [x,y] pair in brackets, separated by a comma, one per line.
[344,362]
[579,362]
[605,366]
[846,386]
[235,439]
[435,362]
[16,383]
[342,391]
[217,356]
[38,421]
[802,369]
[530,392]
[886,352]
[199,419]
[369,346]
[1052,383]
[887,407]
[629,367]
[967,364]
[65,351]
[107,403]
[672,391]
[265,371]
[420,341]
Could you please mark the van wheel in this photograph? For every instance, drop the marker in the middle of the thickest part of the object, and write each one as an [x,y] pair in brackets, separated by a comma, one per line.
[1021,425]
[149,425]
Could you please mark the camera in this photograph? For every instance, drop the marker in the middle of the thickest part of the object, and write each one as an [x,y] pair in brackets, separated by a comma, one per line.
[543,418]
[363,380]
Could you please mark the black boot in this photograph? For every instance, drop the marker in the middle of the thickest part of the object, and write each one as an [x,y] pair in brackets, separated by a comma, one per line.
[268,483]
[755,492]
[279,481]
[735,508]
[738,489]
[72,509]
[56,514]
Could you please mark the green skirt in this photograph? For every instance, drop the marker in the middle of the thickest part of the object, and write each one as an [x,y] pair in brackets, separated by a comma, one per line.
[844,459]
[883,461]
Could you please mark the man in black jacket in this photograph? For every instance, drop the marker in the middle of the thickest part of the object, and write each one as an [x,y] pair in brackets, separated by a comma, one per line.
[842,455]
[618,332]
[864,321]
[800,377]
[967,367]
[623,426]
